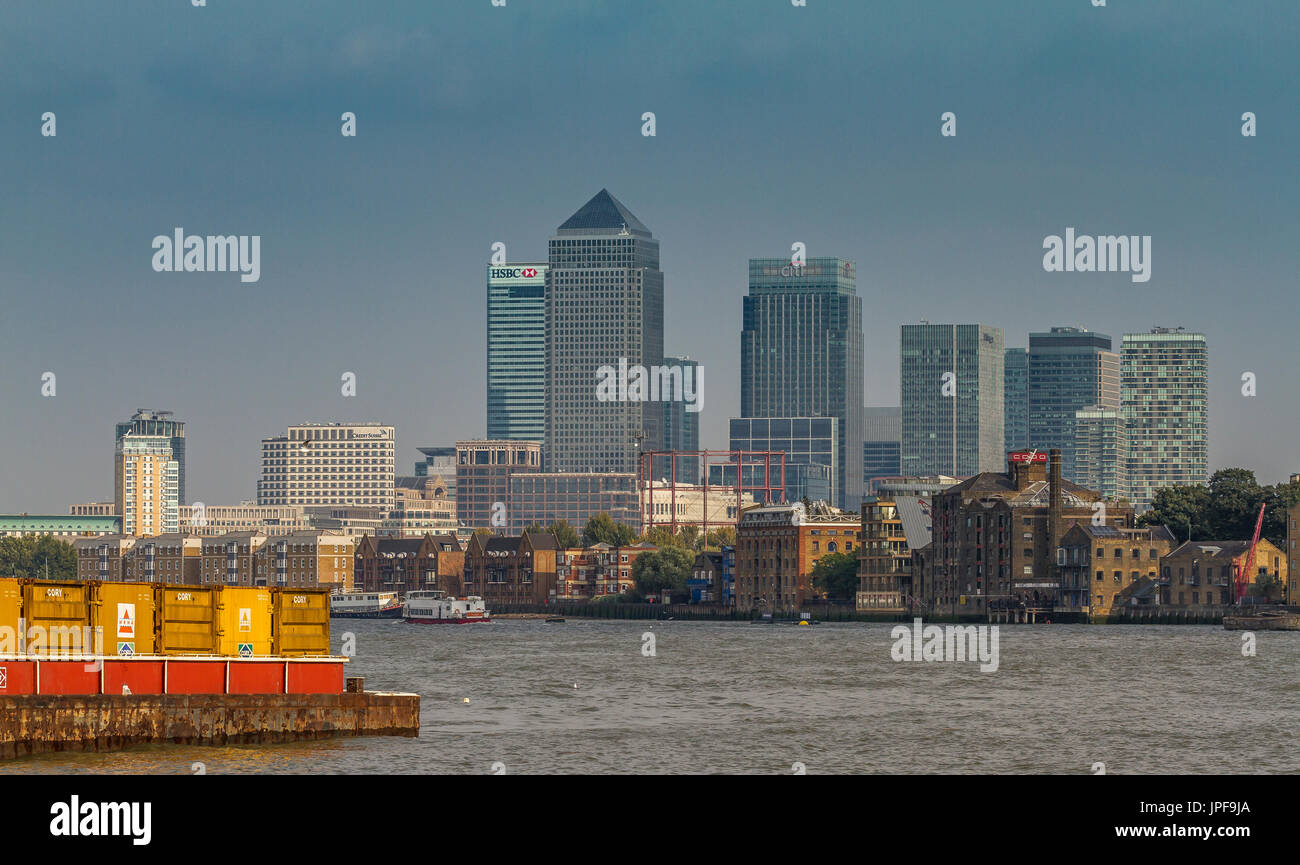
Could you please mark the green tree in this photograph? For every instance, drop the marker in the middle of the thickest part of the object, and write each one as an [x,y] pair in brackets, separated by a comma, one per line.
[1233,506]
[722,537]
[533,529]
[27,557]
[1177,508]
[565,534]
[666,568]
[1268,587]
[601,529]
[662,536]
[836,574]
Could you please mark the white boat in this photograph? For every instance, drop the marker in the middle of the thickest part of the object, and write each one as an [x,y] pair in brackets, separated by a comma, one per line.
[365,605]
[432,607]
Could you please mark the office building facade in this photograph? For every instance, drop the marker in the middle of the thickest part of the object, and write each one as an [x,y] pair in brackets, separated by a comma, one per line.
[604,314]
[811,446]
[330,465]
[681,415]
[1069,369]
[483,471]
[882,433]
[1164,392]
[516,351]
[952,379]
[801,355]
[1015,397]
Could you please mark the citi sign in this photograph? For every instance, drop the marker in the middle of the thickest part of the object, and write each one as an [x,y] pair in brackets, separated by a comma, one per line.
[512,273]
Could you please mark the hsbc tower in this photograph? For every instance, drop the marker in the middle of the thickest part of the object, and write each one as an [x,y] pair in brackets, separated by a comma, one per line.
[516,351]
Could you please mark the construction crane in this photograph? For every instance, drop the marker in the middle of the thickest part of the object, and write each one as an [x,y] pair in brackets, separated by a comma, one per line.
[1245,575]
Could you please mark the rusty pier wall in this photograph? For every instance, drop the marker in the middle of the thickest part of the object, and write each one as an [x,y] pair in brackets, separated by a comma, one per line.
[37,724]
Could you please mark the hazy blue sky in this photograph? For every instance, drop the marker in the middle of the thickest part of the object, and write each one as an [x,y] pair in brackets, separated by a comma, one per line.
[478,124]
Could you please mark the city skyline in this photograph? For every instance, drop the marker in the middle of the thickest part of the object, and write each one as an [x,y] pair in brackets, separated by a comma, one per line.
[371,245]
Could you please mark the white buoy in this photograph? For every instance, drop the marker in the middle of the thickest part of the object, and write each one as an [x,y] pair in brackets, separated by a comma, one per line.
[466,700]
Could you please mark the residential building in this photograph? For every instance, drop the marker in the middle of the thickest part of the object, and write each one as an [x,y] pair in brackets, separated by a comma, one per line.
[1164,392]
[604,309]
[505,569]
[330,465]
[777,547]
[484,468]
[1205,572]
[231,559]
[516,351]
[801,356]
[1015,398]
[1293,550]
[952,379]
[212,521]
[103,558]
[311,559]
[705,582]
[1101,451]
[1102,567]
[146,491]
[1069,369]
[171,558]
[406,564]
[148,422]
[882,435]
[892,529]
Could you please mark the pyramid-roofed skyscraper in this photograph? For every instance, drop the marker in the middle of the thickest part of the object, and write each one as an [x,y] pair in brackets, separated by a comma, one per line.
[604,309]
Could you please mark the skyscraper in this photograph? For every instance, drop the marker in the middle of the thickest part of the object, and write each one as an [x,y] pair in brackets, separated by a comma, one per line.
[952,380]
[881,434]
[148,422]
[1164,392]
[604,315]
[1101,451]
[801,354]
[1015,398]
[681,418]
[146,485]
[516,351]
[1069,369]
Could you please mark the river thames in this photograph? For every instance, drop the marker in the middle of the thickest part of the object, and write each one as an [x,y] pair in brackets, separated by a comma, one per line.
[738,698]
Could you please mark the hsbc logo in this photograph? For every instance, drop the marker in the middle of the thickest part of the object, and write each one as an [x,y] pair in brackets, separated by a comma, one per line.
[512,273]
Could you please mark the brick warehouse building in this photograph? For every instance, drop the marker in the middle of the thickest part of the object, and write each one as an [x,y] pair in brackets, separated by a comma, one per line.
[511,570]
[777,546]
[405,564]
[996,536]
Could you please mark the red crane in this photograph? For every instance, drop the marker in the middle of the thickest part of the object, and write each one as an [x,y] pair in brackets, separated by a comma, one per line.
[1245,575]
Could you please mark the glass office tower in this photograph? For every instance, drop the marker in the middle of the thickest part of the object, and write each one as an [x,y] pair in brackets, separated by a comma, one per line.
[801,354]
[516,351]
[604,309]
[952,380]
[1069,369]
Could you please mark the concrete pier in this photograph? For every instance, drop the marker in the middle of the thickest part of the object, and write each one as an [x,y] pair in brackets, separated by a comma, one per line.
[38,724]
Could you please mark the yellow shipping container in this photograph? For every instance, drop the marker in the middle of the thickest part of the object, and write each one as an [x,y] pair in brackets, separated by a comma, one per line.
[186,620]
[125,612]
[244,621]
[11,614]
[57,617]
[302,622]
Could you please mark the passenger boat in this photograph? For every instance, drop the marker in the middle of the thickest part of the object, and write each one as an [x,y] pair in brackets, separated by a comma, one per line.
[365,605]
[432,607]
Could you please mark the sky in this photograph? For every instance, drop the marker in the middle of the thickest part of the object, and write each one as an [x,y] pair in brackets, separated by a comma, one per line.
[478,124]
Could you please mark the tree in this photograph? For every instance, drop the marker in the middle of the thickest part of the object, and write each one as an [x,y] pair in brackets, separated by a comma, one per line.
[1233,507]
[1225,509]
[565,535]
[27,557]
[661,536]
[836,574]
[1177,508]
[1268,587]
[723,537]
[601,529]
[666,568]
[533,529]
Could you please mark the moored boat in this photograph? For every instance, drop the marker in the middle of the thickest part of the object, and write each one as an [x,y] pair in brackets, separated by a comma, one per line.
[365,605]
[432,607]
